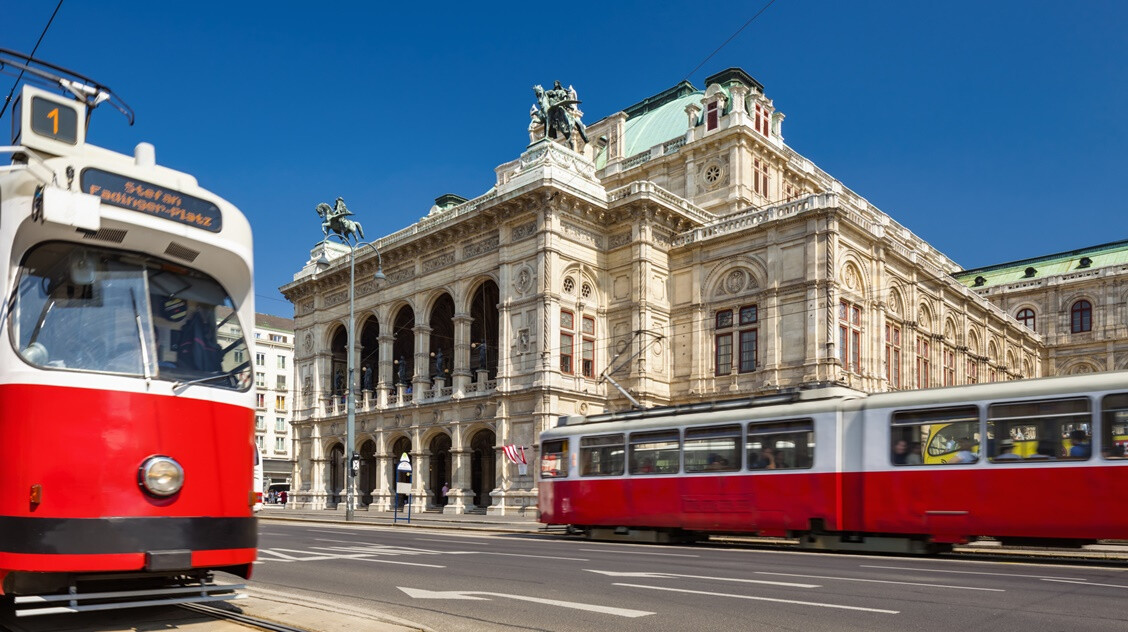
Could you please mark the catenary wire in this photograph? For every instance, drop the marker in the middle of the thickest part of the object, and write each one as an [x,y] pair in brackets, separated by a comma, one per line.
[8,99]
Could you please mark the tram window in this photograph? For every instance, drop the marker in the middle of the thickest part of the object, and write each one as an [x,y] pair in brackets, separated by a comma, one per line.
[1114,429]
[935,436]
[602,455]
[93,309]
[781,445]
[1040,430]
[554,458]
[655,452]
[712,449]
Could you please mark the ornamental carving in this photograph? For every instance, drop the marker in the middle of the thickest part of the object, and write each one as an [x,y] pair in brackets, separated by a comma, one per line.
[478,248]
[850,277]
[336,298]
[583,234]
[524,230]
[401,275]
[304,307]
[435,263]
[622,239]
[523,280]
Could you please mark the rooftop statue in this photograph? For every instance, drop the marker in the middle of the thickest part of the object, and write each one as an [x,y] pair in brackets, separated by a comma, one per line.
[558,113]
[335,218]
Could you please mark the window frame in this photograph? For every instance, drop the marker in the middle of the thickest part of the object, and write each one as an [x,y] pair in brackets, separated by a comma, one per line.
[1081,317]
[893,355]
[1028,318]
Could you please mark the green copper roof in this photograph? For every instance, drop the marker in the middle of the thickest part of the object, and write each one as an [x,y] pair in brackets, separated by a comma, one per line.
[1115,253]
[659,125]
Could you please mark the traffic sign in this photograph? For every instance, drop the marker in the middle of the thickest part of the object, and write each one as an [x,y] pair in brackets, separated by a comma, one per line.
[404,464]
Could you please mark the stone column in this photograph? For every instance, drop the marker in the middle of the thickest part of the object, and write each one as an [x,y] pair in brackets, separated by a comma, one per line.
[384,369]
[382,495]
[421,381]
[461,373]
[459,498]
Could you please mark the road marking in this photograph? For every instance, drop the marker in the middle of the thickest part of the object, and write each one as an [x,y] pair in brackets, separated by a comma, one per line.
[720,579]
[936,570]
[1082,582]
[310,556]
[539,557]
[637,553]
[879,581]
[791,601]
[419,593]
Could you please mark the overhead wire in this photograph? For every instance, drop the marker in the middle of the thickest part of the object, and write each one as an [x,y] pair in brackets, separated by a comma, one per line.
[8,99]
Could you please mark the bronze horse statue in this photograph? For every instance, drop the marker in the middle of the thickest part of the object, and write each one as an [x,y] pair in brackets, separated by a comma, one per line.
[554,114]
[335,218]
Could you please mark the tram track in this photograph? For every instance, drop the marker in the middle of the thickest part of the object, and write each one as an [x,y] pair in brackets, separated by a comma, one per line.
[239,617]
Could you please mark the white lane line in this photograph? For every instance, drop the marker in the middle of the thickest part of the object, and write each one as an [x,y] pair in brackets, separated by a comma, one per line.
[362,557]
[936,570]
[879,581]
[791,601]
[539,557]
[1083,583]
[475,595]
[637,553]
[335,531]
[706,577]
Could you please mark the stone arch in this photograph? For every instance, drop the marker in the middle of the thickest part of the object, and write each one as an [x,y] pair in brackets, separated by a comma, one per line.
[950,330]
[335,472]
[398,444]
[1035,309]
[338,353]
[1079,367]
[441,321]
[924,317]
[484,327]
[440,464]
[483,465]
[366,478]
[403,345]
[1012,364]
[895,306]
[993,352]
[738,276]
[1027,368]
[853,275]
[584,287]
[369,338]
[973,346]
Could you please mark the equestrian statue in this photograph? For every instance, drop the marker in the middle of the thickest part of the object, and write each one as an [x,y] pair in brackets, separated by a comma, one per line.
[335,218]
[558,113]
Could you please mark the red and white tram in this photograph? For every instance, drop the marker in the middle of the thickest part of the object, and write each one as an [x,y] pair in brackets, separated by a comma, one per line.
[1031,461]
[126,414]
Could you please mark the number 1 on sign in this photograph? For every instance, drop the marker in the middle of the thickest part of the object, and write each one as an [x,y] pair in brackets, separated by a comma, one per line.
[54,116]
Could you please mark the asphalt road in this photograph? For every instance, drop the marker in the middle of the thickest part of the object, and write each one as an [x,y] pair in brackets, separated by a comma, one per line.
[452,580]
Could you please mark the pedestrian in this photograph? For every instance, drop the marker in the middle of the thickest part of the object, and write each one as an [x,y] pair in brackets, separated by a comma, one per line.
[282,497]
[445,491]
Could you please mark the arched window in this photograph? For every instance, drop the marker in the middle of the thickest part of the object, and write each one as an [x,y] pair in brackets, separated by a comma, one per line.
[1081,317]
[1026,317]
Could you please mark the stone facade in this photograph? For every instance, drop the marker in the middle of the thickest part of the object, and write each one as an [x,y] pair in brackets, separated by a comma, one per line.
[685,254]
[1077,301]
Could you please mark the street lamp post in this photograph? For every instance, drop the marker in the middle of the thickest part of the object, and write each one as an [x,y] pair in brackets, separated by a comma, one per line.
[352,458]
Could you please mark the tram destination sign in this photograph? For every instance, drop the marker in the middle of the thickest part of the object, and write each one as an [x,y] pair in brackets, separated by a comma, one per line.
[153,199]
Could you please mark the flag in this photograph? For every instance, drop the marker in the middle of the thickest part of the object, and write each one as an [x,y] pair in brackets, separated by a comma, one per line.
[515,454]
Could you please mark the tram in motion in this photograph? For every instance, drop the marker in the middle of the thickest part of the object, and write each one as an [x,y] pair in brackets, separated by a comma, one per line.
[909,471]
[126,409]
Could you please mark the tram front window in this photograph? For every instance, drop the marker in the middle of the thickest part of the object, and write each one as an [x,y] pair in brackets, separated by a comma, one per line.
[86,309]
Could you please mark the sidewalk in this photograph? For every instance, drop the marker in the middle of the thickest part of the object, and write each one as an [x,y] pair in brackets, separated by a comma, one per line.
[503,524]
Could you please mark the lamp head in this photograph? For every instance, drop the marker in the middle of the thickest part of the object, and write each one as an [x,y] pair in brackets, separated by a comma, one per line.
[322,261]
[379,276]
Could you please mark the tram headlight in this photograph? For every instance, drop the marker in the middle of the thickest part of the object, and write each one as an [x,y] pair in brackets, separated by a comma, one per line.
[161,476]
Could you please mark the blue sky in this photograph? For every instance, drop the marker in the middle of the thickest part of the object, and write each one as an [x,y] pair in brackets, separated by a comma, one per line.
[993,130]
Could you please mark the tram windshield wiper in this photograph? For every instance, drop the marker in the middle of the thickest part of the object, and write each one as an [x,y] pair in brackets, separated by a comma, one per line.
[179,384]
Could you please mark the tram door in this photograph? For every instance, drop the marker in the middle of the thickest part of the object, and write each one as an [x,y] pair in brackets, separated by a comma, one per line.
[482,475]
